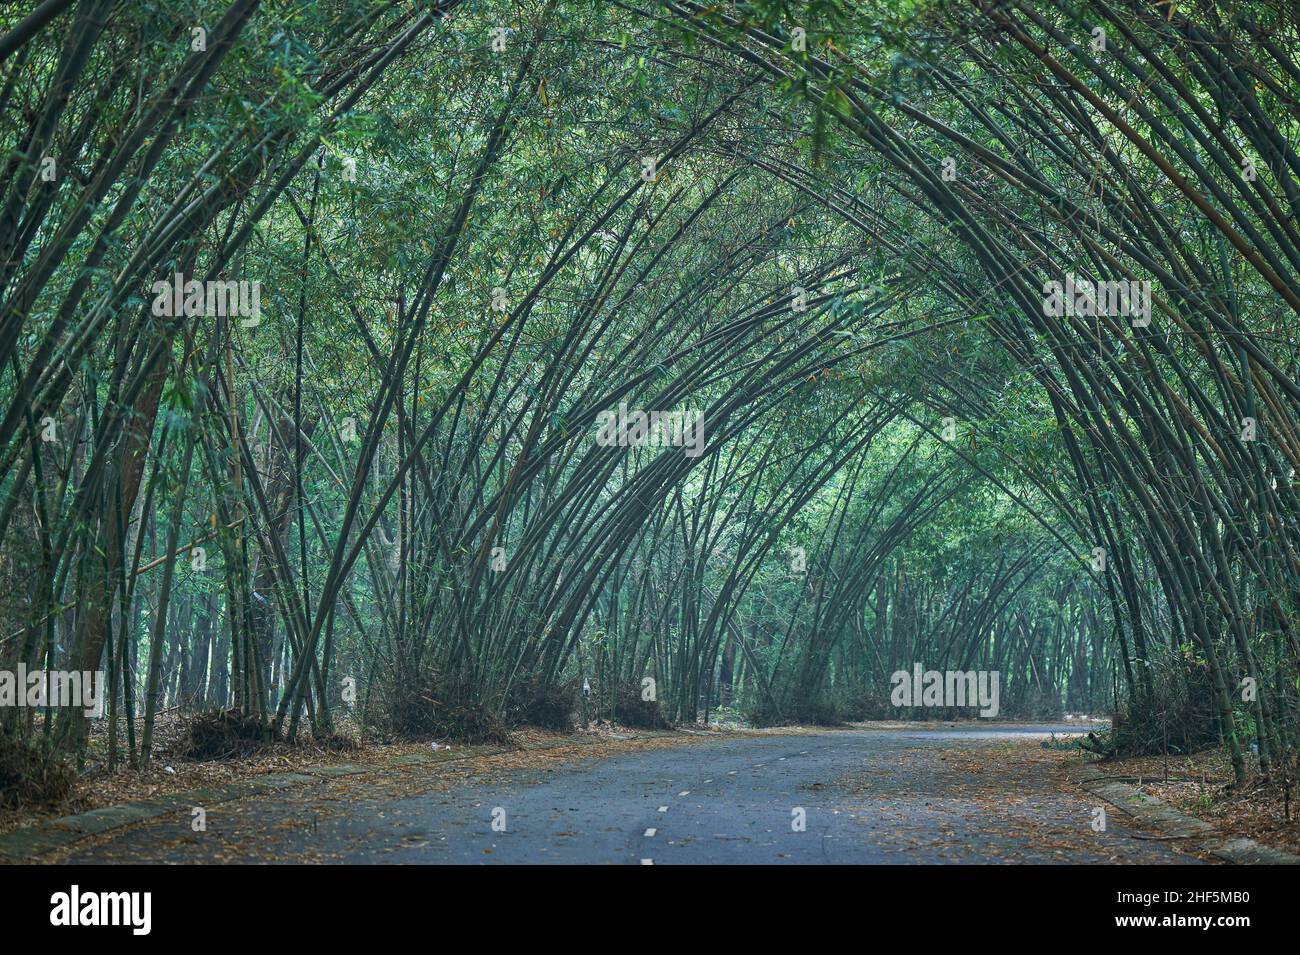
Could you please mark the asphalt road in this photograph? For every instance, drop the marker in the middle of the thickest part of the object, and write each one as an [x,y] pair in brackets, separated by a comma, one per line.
[862,796]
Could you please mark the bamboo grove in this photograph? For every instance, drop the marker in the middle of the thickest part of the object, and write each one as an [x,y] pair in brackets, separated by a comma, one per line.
[475,228]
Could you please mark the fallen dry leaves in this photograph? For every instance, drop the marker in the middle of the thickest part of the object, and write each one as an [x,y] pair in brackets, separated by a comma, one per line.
[1199,785]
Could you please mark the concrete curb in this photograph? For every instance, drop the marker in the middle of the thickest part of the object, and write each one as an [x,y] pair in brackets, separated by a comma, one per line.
[1172,824]
[32,841]
[27,844]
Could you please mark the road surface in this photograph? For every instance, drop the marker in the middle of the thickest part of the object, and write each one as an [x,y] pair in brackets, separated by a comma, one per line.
[929,795]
